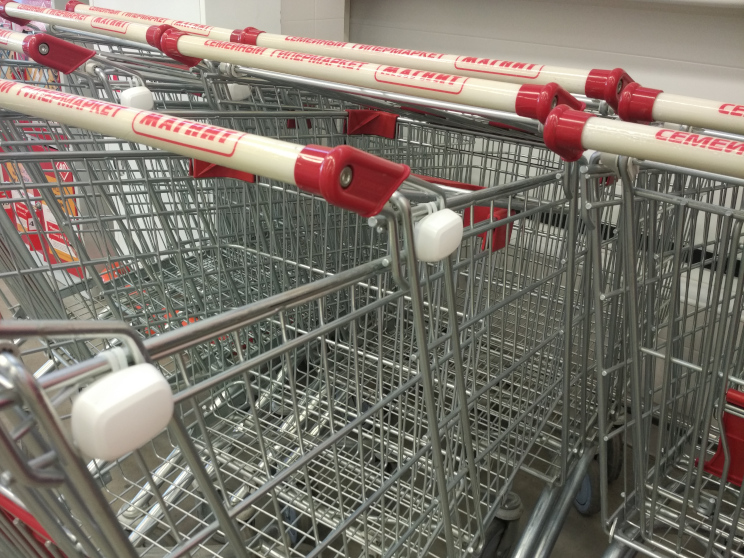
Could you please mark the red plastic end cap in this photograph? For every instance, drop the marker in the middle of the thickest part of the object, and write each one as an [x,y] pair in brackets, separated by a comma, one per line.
[371,122]
[169,47]
[247,36]
[55,53]
[607,85]
[72,4]
[536,101]
[563,129]
[637,103]
[369,180]
[16,20]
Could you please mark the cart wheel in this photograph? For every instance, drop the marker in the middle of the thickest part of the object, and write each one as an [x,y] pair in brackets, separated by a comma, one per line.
[501,534]
[588,498]
[615,457]
[500,538]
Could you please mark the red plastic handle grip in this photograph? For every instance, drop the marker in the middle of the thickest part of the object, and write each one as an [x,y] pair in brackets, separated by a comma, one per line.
[247,36]
[607,85]
[165,39]
[562,133]
[349,178]
[55,53]
[536,101]
[169,47]
[637,103]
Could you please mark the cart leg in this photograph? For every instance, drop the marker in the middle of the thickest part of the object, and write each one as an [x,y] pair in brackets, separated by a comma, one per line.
[618,550]
[550,513]
[543,507]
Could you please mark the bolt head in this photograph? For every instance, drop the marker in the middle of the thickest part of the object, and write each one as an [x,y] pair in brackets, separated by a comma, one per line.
[43,48]
[345,178]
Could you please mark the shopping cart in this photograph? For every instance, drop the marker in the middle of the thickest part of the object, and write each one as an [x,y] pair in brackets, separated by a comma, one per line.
[514,286]
[674,373]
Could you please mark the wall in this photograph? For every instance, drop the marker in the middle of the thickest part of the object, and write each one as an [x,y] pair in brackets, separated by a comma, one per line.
[687,49]
[264,14]
[319,19]
[187,10]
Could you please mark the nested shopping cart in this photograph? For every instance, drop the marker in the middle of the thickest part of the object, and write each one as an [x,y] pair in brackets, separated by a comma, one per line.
[671,359]
[604,90]
[510,280]
[468,95]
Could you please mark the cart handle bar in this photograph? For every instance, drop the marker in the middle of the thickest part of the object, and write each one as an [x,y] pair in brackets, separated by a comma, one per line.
[569,133]
[597,84]
[632,102]
[46,50]
[344,176]
[529,100]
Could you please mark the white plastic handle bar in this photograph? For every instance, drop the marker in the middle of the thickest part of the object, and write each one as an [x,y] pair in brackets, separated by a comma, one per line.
[528,100]
[574,81]
[344,176]
[642,104]
[46,50]
[569,133]
[599,84]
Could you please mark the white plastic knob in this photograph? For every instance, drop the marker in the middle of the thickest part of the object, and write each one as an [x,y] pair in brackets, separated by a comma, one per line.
[138,97]
[121,412]
[239,92]
[90,67]
[437,235]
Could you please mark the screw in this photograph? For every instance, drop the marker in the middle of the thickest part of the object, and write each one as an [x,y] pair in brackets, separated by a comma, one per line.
[344,179]
[43,48]
[619,86]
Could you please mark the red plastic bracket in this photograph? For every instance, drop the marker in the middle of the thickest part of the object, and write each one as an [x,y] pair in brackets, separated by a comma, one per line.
[203,169]
[607,85]
[165,38]
[417,111]
[292,123]
[371,122]
[60,55]
[504,126]
[562,133]
[247,36]
[500,235]
[16,20]
[733,427]
[370,180]
[451,183]
[13,511]
[536,101]
[72,4]
[637,103]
